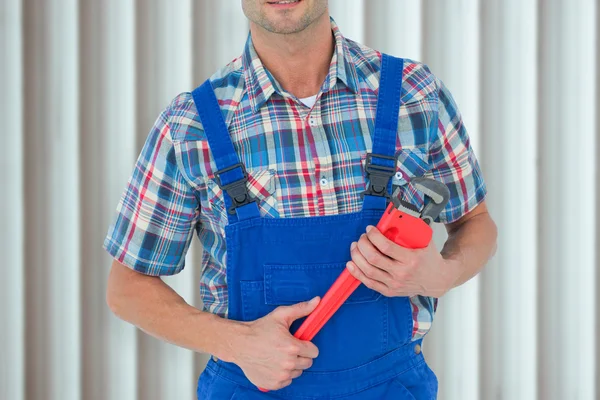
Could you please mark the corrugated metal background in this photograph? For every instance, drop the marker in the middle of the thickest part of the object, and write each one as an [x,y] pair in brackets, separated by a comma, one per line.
[81,83]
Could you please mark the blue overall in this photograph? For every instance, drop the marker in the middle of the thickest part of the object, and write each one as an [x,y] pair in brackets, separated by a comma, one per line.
[365,350]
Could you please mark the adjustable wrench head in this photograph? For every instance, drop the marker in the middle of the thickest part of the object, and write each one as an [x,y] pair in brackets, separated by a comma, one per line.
[438,194]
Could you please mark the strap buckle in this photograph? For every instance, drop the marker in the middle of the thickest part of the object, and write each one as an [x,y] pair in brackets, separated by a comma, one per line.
[237,190]
[379,176]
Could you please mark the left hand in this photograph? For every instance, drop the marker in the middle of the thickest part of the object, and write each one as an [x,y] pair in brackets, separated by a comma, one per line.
[393,270]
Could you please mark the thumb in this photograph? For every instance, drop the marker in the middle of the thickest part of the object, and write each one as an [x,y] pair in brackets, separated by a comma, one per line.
[289,314]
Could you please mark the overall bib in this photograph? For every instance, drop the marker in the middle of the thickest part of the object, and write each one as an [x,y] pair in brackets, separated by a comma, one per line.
[365,350]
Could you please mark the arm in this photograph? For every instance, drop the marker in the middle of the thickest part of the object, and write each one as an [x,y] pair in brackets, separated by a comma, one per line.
[471,243]
[154,225]
[151,305]
[265,350]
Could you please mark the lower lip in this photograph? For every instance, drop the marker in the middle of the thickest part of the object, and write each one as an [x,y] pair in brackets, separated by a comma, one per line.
[284,6]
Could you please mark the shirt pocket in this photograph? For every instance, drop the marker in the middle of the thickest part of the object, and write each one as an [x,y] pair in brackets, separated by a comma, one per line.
[411,163]
[261,186]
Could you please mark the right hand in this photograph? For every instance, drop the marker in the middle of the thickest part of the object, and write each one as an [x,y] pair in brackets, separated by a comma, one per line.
[268,354]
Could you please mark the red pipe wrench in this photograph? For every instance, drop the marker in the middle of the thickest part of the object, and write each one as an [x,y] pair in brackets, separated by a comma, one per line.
[403,224]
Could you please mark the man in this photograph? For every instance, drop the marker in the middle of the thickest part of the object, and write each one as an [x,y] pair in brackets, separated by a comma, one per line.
[267,163]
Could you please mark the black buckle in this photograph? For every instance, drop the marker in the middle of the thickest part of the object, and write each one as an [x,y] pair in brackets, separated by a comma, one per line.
[237,190]
[379,176]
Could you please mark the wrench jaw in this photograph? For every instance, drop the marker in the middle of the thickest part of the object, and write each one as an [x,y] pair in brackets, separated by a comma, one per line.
[405,206]
[438,194]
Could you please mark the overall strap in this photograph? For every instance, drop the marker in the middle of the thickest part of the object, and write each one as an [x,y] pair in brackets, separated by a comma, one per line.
[381,162]
[231,175]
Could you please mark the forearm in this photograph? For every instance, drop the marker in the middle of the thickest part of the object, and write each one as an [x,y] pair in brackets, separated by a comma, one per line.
[154,307]
[469,247]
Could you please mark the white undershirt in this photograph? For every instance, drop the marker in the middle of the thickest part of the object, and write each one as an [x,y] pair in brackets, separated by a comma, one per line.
[309,101]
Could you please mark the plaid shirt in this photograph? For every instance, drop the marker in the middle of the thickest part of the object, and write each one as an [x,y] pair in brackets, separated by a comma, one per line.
[301,162]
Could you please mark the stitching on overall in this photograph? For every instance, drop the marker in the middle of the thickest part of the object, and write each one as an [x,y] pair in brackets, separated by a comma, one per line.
[385,331]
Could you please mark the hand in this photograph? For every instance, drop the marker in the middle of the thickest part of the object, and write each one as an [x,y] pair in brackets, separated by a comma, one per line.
[393,270]
[268,354]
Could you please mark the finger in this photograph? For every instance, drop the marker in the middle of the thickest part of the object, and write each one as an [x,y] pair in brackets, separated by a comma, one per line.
[296,373]
[284,384]
[307,349]
[278,385]
[291,313]
[368,269]
[386,246]
[368,282]
[303,363]
[374,256]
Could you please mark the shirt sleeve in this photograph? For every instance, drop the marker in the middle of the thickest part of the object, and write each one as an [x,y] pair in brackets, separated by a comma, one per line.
[453,161]
[158,211]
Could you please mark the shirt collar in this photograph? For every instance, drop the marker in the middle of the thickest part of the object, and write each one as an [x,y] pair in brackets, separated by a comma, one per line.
[261,84]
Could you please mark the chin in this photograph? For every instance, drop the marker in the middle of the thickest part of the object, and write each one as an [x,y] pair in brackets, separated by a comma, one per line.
[284,28]
[285,24]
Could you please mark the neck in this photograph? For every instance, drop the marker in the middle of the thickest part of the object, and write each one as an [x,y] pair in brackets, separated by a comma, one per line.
[300,61]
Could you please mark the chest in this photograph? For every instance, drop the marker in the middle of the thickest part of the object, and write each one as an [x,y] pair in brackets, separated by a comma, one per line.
[303,161]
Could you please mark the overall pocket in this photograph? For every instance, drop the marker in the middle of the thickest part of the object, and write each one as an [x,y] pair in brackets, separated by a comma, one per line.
[290,284]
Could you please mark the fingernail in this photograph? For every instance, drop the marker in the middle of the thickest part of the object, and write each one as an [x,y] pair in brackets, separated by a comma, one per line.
[369,228]
[353,246]
[350,267]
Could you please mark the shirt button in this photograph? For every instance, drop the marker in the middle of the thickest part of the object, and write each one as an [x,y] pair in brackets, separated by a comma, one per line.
[312,122]
[215,359]
[324,181]
[399,176]
[417,349]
